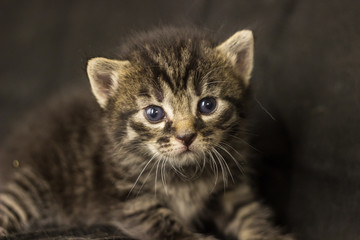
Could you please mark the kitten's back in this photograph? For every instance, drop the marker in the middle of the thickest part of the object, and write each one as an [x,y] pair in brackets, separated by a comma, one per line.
[54,125]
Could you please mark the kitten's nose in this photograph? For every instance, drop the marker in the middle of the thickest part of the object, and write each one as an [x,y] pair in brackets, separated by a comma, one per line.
[186,138]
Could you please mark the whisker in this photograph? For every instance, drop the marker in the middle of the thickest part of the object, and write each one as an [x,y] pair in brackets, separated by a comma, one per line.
[225,164]
[197,166]
[142,173]
[236,151]
[178,172]
[163,176]
[265,110]
[156,173]
[248,144]
[231,156]
[146,179]
[204,162]
[214,166]
[222,169]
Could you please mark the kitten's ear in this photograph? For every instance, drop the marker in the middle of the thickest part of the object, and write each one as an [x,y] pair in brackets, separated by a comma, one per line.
[104,75]
[239,49]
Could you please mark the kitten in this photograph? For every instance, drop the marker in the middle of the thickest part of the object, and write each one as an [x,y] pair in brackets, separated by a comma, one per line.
[162,156]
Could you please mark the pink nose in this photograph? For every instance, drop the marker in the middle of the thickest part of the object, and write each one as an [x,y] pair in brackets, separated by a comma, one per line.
[186,138]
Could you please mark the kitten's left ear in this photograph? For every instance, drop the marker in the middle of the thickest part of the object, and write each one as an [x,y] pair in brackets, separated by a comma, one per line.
[104,75]
[239,49]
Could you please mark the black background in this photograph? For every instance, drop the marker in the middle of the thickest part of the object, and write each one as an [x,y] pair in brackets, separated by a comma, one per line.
[307,76]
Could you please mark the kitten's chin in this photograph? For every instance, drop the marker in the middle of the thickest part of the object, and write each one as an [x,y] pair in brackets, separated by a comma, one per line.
[180,156]
[186,158]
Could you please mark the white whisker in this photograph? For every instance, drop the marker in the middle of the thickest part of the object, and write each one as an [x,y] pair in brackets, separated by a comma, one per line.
[198,167]
[225,164]
[204,162]
[156,173]
[147,176]
[234,136]
[214,168]
[231,156]
[162,173]
[178,172]
[222,169]
[265,110]
[142,173]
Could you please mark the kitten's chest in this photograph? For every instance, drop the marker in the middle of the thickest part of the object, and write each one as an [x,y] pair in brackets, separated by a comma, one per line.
[187,201]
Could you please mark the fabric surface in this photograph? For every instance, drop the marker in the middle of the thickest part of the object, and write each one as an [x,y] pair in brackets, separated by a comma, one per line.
[305,117]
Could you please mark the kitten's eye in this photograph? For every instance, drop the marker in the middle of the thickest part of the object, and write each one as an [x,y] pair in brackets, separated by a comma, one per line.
[154,114]
[207,105]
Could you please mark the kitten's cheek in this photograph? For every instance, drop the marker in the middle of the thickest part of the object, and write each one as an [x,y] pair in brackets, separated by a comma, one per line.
[153,149]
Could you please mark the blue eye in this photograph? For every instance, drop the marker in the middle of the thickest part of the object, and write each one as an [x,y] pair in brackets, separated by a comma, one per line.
[154,114]
[207,105]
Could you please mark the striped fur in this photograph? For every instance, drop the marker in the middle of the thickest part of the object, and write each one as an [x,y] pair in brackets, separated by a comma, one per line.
[83,165]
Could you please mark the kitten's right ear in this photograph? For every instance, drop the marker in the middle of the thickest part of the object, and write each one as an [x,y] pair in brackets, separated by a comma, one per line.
[104,75]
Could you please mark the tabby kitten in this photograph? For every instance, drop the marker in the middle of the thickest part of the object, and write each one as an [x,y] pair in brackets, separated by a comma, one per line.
[162,156]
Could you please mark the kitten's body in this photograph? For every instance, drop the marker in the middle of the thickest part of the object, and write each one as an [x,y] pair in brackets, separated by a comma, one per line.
[153,179]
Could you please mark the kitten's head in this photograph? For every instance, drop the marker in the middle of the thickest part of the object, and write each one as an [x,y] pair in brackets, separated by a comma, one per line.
[174,94]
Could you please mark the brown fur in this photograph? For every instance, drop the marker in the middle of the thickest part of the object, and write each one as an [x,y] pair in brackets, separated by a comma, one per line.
[87,165]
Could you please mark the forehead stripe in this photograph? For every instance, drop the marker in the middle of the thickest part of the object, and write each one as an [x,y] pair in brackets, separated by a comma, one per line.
[191,65]
[149,59]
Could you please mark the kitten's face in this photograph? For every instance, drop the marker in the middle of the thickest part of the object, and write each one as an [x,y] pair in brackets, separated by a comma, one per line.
[184,124]
[177,103]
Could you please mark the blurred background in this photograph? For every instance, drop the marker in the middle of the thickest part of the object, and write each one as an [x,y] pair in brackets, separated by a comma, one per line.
[305,119]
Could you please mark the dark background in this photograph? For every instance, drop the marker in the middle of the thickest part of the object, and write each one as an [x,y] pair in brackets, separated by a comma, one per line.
[307,76]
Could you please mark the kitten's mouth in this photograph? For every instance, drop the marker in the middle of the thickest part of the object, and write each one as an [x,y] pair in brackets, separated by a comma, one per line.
[181,152]
[182,155]
[186,154]
[186,151]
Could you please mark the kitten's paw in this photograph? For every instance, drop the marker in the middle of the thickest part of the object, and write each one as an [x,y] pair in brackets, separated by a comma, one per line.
[3,232]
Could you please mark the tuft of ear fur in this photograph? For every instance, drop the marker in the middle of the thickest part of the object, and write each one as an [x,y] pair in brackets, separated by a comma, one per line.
[239,49]
[104,75]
